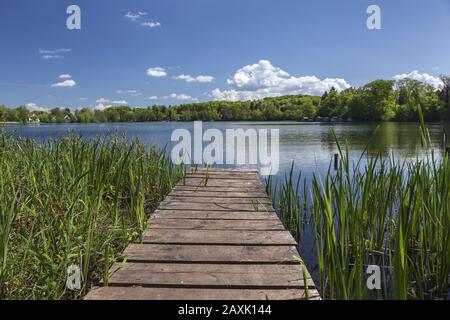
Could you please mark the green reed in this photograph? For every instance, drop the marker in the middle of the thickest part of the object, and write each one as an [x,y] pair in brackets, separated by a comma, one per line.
[73,202]
[394,215]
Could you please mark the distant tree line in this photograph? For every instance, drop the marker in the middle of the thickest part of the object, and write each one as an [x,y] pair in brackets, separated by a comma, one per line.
[380,100]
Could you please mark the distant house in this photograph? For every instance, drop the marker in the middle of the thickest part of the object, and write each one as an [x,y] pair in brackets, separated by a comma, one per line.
[67,118]
[34,119]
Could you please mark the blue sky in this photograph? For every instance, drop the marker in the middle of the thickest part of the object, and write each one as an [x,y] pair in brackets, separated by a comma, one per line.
[222,49]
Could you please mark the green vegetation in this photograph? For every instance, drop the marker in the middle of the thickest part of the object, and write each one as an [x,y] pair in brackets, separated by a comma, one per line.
[379,100]
[390,214]
[73,202]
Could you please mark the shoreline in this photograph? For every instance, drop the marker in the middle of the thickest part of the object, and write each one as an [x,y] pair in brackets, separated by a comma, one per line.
[284,122]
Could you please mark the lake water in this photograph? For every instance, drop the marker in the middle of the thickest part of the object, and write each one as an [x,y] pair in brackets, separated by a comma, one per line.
[310,145]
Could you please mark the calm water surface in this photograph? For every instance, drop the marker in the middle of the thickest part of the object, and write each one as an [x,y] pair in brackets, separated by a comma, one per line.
[310,145]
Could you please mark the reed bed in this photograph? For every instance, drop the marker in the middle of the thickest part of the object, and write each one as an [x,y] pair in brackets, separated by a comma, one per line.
[395,215]
[73,202]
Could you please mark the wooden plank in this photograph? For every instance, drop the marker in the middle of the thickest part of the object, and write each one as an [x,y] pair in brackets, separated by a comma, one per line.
[219,237]
[247,177]
[261,225]
[216,206]
[202,188]
[210,253]
[225,170]
[220,200]
[217,268]
[141,293]
[204,276]
[218,194]
[211,215]
[219,182]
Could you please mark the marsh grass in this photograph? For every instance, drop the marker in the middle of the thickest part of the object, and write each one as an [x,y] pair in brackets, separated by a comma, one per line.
[73,202]
[392,214]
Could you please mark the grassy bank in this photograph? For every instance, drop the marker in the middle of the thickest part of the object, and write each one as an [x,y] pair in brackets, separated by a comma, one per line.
[72,202]
[385,213]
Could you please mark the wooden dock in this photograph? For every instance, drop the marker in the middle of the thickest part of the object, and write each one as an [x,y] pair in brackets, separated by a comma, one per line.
[216,236]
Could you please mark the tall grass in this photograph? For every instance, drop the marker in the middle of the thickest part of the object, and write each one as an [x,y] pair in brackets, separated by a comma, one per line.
[73,202]
[395,215]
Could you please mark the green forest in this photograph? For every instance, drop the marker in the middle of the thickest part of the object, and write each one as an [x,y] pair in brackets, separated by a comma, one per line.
[380,100]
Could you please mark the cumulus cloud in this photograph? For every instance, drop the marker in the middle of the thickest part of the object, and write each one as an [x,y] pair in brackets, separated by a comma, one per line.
[422,77]
[65,84]
[151,24]
[189,78]
[102,106]
[102,100]
[262,79]
[34,107]
[135,16]
[182,96]
[156,72]
[65,76]
[153,98]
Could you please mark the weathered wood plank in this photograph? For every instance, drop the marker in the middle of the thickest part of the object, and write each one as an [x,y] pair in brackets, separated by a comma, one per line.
[202,188]
[219,182]
[230,176]
[221,200]
[225,170]
[141,293]
[261,225]
[172,205]
[210,253]
[210,215]
[218,194]
[203,276]
[217,268]
[220,237]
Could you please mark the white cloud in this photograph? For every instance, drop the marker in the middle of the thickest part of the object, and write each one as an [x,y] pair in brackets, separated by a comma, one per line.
[133,92]
[176,96]
[151,24]
[261,80]
[65,84]
[189,78]
[34,107]
[102,107]
[49,54]
[102,100]
[122,102]
[65,76]
[182,97]
[156,72]
[422,77]
[134,16]
[53,51]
